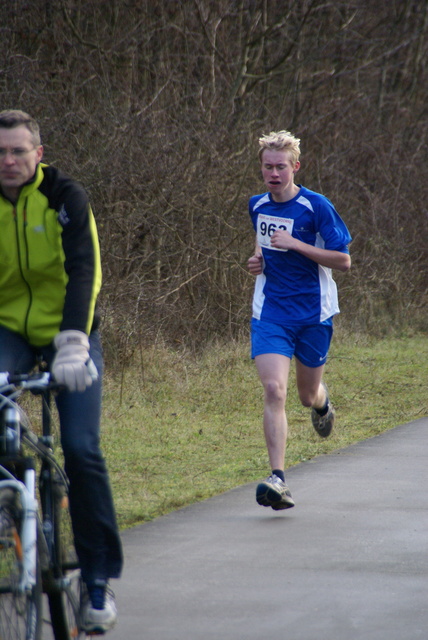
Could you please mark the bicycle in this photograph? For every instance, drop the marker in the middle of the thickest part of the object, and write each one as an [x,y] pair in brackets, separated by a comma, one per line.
[33,556]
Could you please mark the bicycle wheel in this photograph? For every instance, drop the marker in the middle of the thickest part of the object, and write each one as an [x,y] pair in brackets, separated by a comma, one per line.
[64,605]
[65,597]
[20,612]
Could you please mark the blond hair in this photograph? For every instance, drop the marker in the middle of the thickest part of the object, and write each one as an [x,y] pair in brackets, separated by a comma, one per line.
[280,141]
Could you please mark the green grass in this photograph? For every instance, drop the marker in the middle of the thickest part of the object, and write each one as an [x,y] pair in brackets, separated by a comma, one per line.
[179,428]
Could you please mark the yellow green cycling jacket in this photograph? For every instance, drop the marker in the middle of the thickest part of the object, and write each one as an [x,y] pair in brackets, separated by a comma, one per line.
[50,270]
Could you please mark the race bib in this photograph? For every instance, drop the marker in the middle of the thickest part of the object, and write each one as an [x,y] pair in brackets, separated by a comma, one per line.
[266,227]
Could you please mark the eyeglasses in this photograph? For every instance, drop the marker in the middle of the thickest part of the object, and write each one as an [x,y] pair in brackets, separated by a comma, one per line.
[15,153]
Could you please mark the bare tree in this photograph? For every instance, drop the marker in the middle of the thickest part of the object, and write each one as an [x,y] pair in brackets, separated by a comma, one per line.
[157,106]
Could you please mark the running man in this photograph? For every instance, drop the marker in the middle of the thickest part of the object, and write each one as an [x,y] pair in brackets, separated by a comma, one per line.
[300,238]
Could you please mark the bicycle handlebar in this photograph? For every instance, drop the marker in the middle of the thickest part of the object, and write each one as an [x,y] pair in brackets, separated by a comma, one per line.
[39,381]
[11,387]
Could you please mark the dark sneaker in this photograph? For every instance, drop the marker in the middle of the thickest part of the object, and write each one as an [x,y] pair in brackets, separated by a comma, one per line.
[323,425]
[98,621]
[274,492]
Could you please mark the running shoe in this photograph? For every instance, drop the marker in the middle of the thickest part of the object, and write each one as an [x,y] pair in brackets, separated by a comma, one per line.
[323,425]
[274,492]
[98,621]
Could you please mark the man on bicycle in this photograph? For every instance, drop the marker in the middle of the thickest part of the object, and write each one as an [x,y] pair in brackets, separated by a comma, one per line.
[50,276]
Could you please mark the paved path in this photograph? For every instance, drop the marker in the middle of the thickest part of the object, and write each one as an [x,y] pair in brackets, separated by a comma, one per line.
[349,562]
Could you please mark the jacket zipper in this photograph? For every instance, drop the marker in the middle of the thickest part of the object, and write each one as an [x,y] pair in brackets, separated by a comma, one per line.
[20,260]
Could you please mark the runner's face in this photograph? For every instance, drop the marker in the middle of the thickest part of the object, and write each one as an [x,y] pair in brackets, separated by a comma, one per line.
[18,158]
[278,173]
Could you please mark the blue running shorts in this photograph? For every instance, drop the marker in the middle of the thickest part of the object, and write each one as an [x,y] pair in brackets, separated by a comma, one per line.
[310,343]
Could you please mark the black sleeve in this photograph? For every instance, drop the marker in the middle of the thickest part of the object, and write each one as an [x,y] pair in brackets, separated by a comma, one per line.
[80,245]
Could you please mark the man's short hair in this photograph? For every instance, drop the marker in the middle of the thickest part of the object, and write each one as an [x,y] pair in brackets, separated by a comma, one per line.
[280,141]
[11,118]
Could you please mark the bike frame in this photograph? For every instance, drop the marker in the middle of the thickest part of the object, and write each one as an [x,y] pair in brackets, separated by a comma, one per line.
[38,544]
[29,525]
[27,488]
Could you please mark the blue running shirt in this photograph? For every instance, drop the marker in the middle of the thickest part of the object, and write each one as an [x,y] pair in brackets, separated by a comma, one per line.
[292,288]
